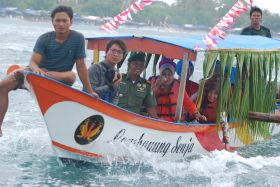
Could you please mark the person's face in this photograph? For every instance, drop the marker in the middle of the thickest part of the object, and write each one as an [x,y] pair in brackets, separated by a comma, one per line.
[256,18]
[212,96]
[114,55]
[135,68]
[167,77]
[61,22]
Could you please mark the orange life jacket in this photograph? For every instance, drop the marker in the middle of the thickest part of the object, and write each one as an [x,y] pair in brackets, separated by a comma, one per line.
[167,101]
[210,112]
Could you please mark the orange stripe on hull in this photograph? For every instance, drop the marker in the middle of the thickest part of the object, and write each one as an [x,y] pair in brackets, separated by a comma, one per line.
[73,150]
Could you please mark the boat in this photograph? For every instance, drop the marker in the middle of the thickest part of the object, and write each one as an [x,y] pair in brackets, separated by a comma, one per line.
[82,127]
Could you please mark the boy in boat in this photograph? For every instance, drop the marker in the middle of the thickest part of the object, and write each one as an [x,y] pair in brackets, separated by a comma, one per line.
[54,55]
[256,28]
[166,90]
[104,77]
[136,92]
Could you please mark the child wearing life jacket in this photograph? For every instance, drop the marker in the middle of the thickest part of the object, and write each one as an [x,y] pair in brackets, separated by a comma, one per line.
[166,90]
[209,104]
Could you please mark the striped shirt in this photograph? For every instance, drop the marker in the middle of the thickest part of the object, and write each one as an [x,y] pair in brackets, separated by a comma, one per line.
[60,56]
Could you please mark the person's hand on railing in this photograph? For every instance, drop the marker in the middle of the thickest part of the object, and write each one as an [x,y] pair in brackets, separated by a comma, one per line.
[199,117]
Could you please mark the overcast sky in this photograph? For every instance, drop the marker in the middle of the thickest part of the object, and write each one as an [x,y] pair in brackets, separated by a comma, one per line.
[271,5]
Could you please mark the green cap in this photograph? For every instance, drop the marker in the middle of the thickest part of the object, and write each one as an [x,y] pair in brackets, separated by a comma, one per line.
[137,57]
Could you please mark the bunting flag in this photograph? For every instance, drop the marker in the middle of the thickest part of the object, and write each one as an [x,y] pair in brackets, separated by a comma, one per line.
[224,24]
[124,16]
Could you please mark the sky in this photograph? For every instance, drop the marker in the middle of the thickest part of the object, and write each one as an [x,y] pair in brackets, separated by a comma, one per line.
[271,5]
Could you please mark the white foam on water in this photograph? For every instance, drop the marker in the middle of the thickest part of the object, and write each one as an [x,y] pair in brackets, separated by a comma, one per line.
[219,168]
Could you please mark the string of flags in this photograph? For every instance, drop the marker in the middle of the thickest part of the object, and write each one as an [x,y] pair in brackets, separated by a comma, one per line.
[125,15]
[224,24]
[209,40]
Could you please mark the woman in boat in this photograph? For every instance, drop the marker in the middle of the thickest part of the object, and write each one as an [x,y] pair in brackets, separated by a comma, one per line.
[209,104]
[104,77]
[166,90]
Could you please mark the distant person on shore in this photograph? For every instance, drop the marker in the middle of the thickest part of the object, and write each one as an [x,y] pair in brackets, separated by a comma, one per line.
[256,28]
[54,55]
[104,78]
[135,92]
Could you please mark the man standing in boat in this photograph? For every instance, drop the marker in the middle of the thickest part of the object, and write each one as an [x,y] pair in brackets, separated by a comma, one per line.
[54,55]
[104,77]
[256,28]
[136,92]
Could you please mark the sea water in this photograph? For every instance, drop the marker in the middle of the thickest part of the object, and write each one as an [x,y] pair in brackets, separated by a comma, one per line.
[27,158]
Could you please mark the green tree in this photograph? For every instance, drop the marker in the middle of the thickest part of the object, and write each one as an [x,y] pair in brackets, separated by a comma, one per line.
[154,14]
[31,4]
[199,12]
[106,8]
[11,3]
[271,21]
[40,5]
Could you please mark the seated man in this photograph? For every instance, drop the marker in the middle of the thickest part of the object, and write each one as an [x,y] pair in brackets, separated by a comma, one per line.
[54,55]
[104,77]
[135,91]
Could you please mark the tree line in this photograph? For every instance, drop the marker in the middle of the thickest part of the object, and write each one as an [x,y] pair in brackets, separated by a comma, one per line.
[194,12]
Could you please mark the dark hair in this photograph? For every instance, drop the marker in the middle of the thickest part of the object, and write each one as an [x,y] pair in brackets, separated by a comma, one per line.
[212,86]
[209,87]
[67,9]
[119,42]
[255,9]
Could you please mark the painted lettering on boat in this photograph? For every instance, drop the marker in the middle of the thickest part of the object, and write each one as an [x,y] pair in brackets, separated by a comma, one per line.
[180,147]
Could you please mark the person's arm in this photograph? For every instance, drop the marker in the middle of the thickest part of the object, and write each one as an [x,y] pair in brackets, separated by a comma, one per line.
[98,80]
[152,112]
[150,103]
[116,84]
[199,117]
[189,106]
[156,83]
[34,63]
[83,75]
